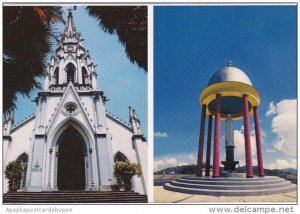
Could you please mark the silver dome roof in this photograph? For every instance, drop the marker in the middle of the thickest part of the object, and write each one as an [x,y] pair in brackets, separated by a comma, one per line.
[230,74]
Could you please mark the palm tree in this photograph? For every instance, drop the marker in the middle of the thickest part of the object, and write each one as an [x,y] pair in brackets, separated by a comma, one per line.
[27,33]
[130,24]
[28,36]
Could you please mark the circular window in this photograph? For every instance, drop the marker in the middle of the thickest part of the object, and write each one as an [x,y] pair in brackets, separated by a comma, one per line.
[70,108]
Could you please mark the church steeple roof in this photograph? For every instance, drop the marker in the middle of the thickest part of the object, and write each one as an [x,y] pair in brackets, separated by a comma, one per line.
[70,62]
[70,29]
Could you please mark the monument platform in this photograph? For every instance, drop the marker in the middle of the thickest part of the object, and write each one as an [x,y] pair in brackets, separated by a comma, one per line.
[231,186]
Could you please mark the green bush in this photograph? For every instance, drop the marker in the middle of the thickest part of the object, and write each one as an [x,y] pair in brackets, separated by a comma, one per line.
[124,170]
[13,172]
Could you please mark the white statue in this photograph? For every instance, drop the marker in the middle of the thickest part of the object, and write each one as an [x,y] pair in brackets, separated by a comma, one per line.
[229,138]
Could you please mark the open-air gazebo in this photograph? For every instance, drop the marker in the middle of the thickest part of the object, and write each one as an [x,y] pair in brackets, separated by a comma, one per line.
[229,93]
[229,96]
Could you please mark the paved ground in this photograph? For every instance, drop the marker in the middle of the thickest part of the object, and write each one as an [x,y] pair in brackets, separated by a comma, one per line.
[164,196]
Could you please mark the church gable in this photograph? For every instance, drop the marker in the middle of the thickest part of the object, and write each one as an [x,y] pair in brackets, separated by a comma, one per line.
[70,108]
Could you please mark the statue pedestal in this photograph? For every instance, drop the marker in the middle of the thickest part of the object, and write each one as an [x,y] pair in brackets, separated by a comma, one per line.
[229,164]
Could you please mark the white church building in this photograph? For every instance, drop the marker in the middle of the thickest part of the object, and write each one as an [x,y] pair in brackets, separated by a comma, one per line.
[71,142]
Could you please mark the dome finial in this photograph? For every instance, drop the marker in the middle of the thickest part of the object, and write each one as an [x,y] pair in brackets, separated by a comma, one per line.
[229,63]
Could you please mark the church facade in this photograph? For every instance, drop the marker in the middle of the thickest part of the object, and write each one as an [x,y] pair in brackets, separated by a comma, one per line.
[71,142]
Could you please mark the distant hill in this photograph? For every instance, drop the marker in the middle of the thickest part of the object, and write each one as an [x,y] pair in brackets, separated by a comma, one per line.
[290,170]
[185,169]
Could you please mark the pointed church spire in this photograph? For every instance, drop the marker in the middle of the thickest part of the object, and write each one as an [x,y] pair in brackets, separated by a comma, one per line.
[70,29]
[135,122]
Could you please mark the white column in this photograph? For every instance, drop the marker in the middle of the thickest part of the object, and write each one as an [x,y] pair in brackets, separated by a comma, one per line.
[142,158]
[100,114]
[79,71]
[61,72]
[105,161]
[55,171]
[37,163]
[43,116]
[47,81]
[86,171]
[93,183]
[94,80]
[6,144]
[49,168]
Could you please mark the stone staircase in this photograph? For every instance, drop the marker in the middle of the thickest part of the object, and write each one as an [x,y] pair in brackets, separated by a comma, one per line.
[73,197]
[231,186]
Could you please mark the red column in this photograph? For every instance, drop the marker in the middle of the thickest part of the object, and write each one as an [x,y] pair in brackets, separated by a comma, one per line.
[216,162]
[201,140]
[247,138]
[208,147]
[258,143]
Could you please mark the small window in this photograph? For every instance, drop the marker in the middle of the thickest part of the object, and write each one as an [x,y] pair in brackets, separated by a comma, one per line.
[119,156]
[70,108]
[56,76]
[70,72]
[84,76]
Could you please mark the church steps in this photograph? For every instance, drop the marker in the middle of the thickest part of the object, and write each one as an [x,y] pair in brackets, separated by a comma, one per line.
[74,197]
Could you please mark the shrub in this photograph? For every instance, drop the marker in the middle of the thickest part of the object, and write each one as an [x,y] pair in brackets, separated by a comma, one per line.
[13,172]
[124,170]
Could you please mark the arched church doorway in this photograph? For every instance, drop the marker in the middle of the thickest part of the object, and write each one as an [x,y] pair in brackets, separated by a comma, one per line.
[71,161]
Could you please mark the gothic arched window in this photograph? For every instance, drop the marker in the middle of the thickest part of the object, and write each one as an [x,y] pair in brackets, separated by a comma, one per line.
[70,68]
[119,156]
[23,159]
[56,76]
[84,76]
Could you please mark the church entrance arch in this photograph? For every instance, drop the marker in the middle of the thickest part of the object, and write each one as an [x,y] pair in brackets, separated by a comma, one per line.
[71,161]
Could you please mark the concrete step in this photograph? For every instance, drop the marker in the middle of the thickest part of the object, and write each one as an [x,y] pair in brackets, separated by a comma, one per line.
[231,182]
[58,193]
[231,186]
[224,186]
[74,197]
[255,178]
[220,192]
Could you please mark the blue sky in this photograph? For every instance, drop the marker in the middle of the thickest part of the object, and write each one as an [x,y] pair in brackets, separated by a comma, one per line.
[122,82]
[191,43]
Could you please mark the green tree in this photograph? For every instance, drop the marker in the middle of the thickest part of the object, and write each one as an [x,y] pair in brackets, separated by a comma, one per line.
[27,33]
[130,24]
[124,170]
[13,172]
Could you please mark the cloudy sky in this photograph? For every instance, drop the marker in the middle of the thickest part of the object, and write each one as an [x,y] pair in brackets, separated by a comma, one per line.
[191,43]
[122,82]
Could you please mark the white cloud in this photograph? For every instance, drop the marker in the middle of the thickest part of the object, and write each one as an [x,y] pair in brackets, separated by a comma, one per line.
[174,160]
[161,134]
[282,164]
[239,142]
[271,150]
[271,110]
[284,124]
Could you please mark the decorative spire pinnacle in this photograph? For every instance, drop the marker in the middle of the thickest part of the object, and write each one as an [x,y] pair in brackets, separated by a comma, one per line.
[229,63]
[70,29]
